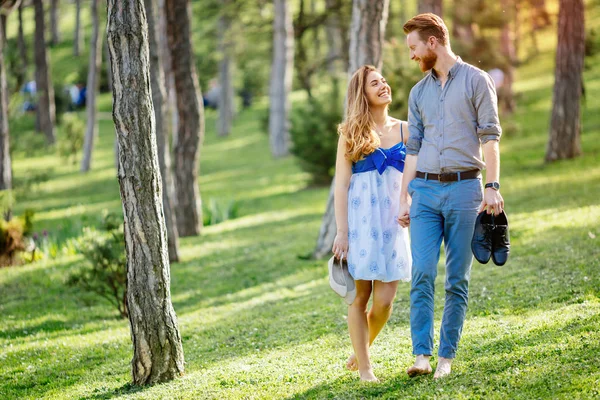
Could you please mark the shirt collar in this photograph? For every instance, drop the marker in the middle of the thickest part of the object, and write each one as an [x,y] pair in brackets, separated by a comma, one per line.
[453,70]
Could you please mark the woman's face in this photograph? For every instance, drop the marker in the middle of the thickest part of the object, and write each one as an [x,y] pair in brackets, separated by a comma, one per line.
[377,90]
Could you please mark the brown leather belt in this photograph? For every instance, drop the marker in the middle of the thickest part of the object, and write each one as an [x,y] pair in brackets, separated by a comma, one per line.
[449,176]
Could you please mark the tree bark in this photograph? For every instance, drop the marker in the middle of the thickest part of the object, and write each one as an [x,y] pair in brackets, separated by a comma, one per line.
[282,69]
[5,161]
[507,48]
[54,28]
[565,125]
[369,20]
[93,79]
[158,353]
[108,76]
[226,97]
[431,6]
[188,209]
[367,32]
[46,112]
[3,19]
[333,34]
[21,40]
[168,70]
[157,79]
[77,40]
[462,24]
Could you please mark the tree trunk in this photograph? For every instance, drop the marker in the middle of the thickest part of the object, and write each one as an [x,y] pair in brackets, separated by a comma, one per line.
[188,209]
[93,79]
[46,112]
[109,75]
[5,161]
[54,12]
[22,45]
[506,95]
[462,24]
[431,6]
[3,18]
[333,34]
[158,353]
[226,97]
[565,124]
[77,40]
[282,69]
[369,20]
[168,70]
[157,79]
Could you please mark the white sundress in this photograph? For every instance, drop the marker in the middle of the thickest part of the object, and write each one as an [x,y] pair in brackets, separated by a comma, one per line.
[379,248]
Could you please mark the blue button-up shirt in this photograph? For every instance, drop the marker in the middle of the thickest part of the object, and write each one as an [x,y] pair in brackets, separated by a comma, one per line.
[447,126]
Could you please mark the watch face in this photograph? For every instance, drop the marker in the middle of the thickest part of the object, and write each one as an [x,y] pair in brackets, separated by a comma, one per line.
[493,185]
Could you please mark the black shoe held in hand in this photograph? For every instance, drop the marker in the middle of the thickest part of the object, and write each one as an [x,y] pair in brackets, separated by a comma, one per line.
[490,238]
[481,244]
[500,240]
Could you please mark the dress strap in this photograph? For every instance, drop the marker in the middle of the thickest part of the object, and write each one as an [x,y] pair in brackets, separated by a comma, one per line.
[401,132]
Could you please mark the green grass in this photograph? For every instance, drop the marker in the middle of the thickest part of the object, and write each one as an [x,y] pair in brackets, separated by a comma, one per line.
[259,321]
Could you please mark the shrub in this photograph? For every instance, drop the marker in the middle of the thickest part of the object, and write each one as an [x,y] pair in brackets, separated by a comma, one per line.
[13,238]
[104,271]
[70,142]
[314,135]
[216,212]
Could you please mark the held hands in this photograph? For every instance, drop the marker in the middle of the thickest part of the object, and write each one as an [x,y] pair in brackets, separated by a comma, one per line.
[492,202]
[404,214]
[340,245]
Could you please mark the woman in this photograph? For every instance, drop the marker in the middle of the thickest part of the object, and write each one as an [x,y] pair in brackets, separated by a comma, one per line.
[369,165]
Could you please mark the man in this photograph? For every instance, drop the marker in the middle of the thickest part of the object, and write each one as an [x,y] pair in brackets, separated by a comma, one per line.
[453,114]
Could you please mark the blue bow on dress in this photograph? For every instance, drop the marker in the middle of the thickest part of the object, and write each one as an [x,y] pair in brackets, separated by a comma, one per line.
[380,159]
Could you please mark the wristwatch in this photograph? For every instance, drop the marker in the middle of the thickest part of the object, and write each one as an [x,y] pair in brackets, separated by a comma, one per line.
[493,185]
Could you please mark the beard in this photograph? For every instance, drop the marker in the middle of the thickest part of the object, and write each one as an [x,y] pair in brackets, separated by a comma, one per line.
[427,61]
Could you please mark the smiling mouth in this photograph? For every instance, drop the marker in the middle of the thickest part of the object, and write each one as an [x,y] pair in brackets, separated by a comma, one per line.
[384,94]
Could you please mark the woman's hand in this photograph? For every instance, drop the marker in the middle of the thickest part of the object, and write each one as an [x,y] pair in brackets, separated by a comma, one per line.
[340,245]
[404,213]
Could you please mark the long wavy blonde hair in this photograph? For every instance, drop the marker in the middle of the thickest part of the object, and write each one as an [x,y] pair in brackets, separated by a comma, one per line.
[358,128]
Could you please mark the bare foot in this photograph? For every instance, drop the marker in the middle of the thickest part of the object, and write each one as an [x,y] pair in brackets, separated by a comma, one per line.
[420,367]
[367,376]
[351,363]
[444,368]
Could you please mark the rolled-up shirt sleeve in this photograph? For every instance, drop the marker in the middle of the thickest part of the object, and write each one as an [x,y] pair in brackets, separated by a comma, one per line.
[415,124]
[486,106]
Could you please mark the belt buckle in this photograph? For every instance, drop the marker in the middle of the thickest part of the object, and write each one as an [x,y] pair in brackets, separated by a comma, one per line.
[444,177]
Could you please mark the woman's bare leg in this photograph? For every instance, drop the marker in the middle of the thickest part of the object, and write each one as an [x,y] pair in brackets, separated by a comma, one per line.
[383,299]
[358,327]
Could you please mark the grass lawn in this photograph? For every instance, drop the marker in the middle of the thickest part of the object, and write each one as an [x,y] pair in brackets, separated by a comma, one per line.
[258,320]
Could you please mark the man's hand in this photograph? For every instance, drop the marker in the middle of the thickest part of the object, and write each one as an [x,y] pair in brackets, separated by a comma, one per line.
[404,213]
[492,202]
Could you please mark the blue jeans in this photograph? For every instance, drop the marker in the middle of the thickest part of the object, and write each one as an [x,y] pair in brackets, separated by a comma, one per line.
[441,210]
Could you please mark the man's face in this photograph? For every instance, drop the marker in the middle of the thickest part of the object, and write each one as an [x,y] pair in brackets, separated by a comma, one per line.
[420,52]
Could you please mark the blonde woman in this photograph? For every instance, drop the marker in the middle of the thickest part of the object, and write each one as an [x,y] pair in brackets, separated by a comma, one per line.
[370,160]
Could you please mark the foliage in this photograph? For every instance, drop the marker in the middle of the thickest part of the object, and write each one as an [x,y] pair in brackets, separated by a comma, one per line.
[13,238]
[105,269]
[216,211]
[402,74]
[314,134]
[61,102]
[31,179]
[592,43]
[82,75]
[70,140]
[258,322]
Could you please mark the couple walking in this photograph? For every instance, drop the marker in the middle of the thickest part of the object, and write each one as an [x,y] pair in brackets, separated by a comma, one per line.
[424,173]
